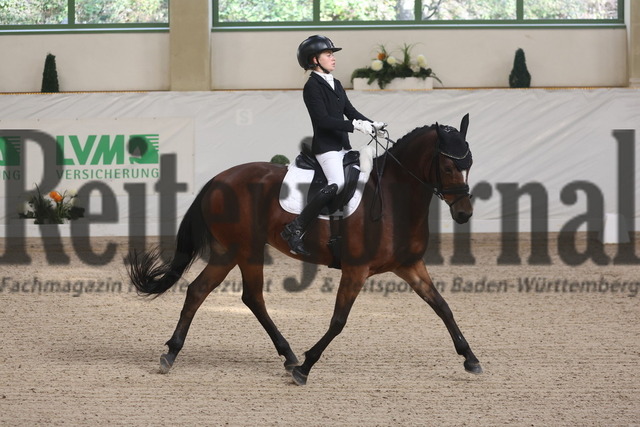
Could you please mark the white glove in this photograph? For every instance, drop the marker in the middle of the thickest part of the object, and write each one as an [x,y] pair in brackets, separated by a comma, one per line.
[379,125]
[380,129]
[364,127]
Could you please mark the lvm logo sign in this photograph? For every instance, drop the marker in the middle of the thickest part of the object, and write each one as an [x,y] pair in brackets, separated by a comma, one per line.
[110,165]
[113,151]
[91,156]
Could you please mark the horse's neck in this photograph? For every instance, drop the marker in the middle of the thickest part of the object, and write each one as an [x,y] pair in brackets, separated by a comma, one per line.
[405,176]
[416,157]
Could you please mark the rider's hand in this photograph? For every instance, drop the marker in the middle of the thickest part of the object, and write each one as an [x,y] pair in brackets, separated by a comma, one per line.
[379,127]
[364,127]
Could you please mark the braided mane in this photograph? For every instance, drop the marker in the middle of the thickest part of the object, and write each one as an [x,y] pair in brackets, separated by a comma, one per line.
[451,144]
[411,135]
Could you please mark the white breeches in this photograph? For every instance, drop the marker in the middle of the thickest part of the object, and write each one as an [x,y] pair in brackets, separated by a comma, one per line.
[331,163]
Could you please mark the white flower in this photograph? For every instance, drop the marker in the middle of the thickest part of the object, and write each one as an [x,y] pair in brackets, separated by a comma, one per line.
[72,193]
[376,65]
[24,207]
[391,60]
[421,60]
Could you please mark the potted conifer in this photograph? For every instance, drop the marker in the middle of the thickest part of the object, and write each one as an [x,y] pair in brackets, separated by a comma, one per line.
[50,75]
[519,77]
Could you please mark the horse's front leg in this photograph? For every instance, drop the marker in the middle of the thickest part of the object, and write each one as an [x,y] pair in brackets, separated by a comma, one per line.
[350,284]
[419,279]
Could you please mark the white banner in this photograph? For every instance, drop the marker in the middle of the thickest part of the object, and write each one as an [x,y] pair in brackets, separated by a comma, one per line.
[542,158]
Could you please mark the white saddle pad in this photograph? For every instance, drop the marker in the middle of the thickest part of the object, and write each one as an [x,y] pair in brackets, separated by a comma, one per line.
[293,193]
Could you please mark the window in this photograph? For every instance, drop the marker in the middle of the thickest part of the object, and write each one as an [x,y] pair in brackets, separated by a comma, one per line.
[470,10]
[79,14]
[60,15]
[121,11]
[239,14]
[265,11]
[571,9]
[38,12]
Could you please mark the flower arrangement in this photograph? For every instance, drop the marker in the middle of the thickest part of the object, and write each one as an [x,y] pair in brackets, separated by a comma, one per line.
[386,67]
[52,209]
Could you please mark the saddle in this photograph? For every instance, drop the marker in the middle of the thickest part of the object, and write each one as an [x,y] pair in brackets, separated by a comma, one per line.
[351,165]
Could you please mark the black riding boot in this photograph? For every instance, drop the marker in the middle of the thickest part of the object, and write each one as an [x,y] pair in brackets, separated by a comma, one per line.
[294,231]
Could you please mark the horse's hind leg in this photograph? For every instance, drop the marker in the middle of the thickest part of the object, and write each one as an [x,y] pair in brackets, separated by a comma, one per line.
[419,279]
[197,292]
[252,296]
[350,284]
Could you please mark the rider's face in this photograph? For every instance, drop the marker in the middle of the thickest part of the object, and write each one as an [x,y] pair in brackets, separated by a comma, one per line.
[327,60]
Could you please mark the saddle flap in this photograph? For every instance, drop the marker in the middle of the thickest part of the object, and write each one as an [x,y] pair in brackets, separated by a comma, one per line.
[351,158]
[307,161]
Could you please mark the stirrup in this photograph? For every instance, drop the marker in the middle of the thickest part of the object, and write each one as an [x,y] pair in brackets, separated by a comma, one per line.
[293,236]
[287,232]
[298,249]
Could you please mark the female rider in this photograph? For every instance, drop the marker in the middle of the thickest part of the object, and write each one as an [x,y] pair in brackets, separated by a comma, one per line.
[328,105]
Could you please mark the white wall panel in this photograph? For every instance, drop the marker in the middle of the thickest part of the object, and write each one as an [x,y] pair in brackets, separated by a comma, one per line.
[550,137]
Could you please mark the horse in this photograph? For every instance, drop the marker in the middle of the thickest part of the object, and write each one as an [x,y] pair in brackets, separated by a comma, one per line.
[237,213]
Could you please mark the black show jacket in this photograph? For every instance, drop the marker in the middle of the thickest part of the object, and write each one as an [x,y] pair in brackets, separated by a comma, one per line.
[327,108]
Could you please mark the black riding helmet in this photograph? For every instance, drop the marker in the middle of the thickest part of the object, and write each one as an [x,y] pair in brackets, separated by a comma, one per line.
[312,47]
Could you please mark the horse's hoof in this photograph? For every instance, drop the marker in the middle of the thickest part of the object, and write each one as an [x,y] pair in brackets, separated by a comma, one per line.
[473,367]
[298,377]
[288,366]
[166,362]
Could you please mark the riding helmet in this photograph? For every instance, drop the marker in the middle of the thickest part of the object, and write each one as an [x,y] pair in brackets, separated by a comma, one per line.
[312,47]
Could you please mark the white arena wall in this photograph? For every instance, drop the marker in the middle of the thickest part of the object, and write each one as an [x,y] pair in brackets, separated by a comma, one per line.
[461,57]
[560,141]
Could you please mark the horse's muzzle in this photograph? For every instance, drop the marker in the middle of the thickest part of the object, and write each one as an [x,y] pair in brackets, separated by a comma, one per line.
[461,210]
[461,217]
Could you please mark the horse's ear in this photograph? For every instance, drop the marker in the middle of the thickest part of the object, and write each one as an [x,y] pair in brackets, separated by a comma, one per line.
[464,125]
[437,126]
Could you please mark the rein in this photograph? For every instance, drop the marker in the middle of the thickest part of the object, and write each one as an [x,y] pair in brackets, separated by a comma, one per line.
[438,190]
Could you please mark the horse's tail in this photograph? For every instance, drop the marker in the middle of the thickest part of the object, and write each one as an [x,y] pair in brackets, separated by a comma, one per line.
[150,275]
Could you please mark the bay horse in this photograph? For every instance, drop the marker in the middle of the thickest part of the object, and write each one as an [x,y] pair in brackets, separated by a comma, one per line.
[237,213]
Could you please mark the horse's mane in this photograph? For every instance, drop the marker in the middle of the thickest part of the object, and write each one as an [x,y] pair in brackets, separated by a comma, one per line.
[419,131]
[451,143]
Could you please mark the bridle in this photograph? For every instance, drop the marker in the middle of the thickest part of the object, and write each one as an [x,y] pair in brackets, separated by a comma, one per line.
[437,189]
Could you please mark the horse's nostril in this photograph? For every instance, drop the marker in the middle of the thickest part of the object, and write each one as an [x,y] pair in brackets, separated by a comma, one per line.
[462,217]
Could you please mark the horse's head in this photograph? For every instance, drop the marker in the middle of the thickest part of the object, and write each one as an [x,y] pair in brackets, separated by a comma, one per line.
[438,156]
[451,163]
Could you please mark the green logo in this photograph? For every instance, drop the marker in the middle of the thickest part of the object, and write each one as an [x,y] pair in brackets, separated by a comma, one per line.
[10,151]
[107,149]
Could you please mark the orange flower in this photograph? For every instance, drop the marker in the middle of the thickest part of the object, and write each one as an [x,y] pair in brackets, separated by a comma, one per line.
[57,197]
[382,56]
